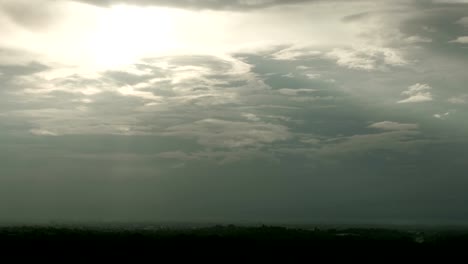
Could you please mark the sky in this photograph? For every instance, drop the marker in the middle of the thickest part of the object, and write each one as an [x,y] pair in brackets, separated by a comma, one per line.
[298,111]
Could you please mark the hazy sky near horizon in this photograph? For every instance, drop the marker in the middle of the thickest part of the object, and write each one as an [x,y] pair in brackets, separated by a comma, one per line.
[236,110]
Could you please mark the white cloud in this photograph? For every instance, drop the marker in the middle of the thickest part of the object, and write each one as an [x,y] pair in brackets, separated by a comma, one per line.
[279,117]
[417,93]
[251,117]
[393,126]
[417,39]
[131,91]
[294,53]
[442,116]
[42,132]
[367,57]
[313,75]
[461,40]
[417,98]
[463,21]
[303,67]
[416,88]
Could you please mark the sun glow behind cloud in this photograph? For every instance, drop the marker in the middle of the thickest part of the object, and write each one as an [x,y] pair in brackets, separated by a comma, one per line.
[125,33]
[98,38]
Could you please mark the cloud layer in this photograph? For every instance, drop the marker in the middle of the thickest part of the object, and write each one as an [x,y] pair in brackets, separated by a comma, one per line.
[233,110]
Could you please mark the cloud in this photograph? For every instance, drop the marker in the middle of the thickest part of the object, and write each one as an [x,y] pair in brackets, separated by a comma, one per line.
[393,126]
[312,98]
[295,53]
[251,117]
[367,57]
[462,99]
[131,91]
[463,21]
[417,39]
[176,31]
[394,140]
[230,134]
[355,17]
[429,29]
[450,1]
[37,16]
[42,132]
[253,90]
[178,155]
[12,70]
[311,141]
[461,40]
[313,75]
[171,90]
[203,4]
[417,93]
[221,157]
[293,92]
[442,116]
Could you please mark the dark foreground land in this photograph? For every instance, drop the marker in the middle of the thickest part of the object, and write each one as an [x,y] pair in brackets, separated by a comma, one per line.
[232,240]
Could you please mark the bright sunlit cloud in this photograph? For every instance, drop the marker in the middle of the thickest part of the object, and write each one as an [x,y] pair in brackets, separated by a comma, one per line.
[107,37]
[125,33]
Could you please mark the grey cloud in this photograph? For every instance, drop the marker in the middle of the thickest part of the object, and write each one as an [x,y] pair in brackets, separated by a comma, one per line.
[463,21]
[355,17]
[172,90]
[389,125]
[396,140]
[204,4]
[450,1]
[123,77]
[11,70]
[218,157]
[42,132]
[37,16]
[461,40]
[439,23]
[461,99]
[230,134]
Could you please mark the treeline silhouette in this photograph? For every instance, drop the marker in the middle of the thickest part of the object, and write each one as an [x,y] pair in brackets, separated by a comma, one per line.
[231,240]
